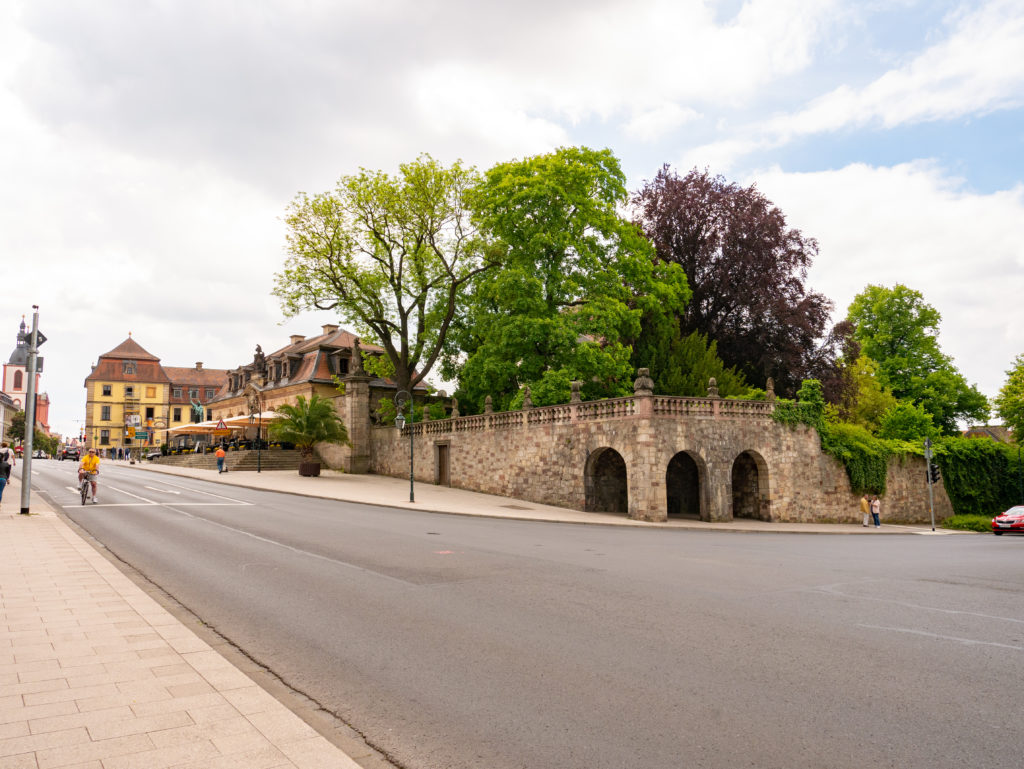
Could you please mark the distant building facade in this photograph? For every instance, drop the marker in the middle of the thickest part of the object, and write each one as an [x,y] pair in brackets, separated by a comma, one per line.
[132,400]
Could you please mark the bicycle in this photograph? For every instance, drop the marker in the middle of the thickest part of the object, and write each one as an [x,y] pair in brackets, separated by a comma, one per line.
[83,487]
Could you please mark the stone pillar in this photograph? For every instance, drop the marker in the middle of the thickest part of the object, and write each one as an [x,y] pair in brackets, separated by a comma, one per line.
[719,487]
[355,411]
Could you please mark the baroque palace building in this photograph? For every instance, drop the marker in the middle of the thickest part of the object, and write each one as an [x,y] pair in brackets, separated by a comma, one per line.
[132,400]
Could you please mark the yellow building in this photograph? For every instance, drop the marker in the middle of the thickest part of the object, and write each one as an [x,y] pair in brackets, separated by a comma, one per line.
[131,400]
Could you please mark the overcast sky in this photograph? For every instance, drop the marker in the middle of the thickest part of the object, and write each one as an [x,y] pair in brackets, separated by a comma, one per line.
[149,149]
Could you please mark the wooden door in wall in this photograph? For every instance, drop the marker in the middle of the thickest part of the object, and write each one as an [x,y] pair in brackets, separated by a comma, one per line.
[443,475]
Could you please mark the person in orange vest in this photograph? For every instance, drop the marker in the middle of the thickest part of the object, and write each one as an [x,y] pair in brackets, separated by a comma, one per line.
[220,454]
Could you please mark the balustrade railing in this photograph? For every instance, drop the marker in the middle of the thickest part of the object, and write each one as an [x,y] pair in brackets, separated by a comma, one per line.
[666,406]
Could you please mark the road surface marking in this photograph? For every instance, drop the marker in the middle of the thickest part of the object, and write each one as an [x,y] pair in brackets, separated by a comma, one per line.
[166,491]
[965,641]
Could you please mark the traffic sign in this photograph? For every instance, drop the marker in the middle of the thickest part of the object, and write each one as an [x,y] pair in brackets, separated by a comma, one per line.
[221,425]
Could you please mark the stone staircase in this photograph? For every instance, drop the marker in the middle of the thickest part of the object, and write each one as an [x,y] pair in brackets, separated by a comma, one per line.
[239,461]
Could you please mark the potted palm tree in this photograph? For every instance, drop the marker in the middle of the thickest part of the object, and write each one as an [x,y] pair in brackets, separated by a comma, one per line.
[306,424]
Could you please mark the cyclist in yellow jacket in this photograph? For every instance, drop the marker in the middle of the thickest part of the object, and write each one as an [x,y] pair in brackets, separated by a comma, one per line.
[90,468]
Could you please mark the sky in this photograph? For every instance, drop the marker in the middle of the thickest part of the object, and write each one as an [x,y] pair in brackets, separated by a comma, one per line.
[148,149]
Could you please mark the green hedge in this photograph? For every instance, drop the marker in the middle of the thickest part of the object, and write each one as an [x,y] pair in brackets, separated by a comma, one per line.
[968,523]
[981,476]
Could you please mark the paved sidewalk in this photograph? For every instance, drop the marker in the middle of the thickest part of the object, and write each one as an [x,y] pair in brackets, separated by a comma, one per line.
[394,492]
[94,674]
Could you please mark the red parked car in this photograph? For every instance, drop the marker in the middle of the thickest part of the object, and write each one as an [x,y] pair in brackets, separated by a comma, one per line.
[1011,520]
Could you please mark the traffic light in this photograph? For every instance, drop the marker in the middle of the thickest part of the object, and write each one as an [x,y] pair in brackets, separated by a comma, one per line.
[933,473]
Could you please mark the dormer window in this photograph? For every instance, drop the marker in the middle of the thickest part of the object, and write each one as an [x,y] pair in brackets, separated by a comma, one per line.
[128,367]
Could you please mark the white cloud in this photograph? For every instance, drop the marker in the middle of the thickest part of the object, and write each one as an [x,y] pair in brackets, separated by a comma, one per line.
[655,123]
[913,224]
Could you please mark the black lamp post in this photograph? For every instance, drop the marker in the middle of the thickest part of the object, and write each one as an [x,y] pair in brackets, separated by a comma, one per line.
[256,418]
[400,400]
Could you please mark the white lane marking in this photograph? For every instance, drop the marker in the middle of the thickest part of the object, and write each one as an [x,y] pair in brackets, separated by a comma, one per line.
[965,641]
[165,491]
[113,504]
[207,493]
[834,590]
[283,546]
[134,496]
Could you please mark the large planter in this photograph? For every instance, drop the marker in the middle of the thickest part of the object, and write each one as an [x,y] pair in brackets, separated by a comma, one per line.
[309,468]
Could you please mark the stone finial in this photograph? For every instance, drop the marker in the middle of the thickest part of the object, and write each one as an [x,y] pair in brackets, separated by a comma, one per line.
[527,400]
[769,389]
[574,396]
[643,385]
[426,412]
[713,388]
[357,358]
[488,405]
[455,407]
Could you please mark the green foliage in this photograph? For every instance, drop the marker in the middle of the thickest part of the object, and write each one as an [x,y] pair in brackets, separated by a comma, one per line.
[575,281]
[682,365]
[981,523]
[392,254]
[386,411]
[872,398]
[17,429]
[865,457]
[898,330]
[1010,401]
[981,476]
[907,422]
[309,422]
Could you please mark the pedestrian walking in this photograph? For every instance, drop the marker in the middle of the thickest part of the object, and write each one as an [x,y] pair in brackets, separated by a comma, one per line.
[876,508]
[220,454]
[6,463]
[865,507]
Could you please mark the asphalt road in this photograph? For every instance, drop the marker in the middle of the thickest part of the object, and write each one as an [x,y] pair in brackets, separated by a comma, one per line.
[476,643]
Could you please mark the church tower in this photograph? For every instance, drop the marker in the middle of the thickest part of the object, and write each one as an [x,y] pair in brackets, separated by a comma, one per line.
[15,380]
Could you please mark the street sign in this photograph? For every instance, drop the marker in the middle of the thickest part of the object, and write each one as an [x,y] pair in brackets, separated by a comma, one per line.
[221,425]
[39,338]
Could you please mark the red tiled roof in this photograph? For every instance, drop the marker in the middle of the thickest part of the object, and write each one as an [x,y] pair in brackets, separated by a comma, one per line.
[131,350]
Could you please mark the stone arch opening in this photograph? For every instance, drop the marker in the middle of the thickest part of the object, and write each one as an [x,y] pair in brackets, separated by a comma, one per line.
[605,482]
[683,487]
[750,487]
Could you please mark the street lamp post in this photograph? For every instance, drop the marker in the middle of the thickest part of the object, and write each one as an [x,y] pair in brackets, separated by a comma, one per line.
[400,401]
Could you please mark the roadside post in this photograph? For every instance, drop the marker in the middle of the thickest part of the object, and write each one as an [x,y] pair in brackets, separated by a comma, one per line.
[34,340]
[928,473]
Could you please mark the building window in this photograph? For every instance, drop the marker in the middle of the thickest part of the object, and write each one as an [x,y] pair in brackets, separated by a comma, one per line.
[128,367]
[177,392]
[177,414]
[129,391]
[105,413]
[193,393]
[104,437]
[149,412]
[210,392]
[150,392]
[106,389]
[17,380]
[209,415]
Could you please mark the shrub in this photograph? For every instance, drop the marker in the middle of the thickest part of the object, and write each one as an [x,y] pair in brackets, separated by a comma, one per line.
[981,523]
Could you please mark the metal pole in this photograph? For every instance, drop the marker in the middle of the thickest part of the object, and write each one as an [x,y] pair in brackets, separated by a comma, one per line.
[412,497]
[30,414]
[928,473]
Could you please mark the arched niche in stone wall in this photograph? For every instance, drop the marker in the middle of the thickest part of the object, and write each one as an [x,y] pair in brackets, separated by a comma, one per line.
[750,485]
[685,481]
[605,482]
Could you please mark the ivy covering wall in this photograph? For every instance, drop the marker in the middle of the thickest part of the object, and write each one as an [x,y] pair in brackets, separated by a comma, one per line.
[981,476]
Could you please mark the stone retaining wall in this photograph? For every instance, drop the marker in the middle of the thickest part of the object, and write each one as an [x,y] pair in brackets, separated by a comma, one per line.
[542,455]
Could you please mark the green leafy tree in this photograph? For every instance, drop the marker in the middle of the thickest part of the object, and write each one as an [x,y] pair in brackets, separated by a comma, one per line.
[308,423]
[907,422]
[392,254]
[898,330]
[682,365]
[1010,401]
[576,278]
[871,398]
[17,430]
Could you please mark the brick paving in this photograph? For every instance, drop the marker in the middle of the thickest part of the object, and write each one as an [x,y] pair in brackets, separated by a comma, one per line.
[94,674]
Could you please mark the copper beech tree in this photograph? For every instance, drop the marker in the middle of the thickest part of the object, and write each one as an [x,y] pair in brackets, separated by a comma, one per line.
[746,269]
